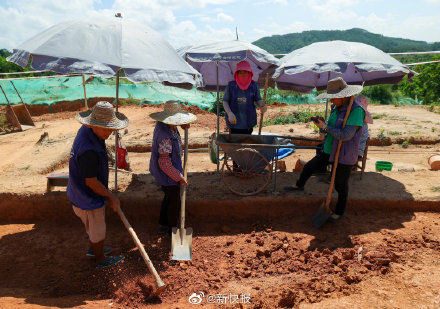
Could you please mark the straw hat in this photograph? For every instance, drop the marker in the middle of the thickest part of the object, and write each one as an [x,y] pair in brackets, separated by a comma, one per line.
[102,115]
[338,88]
[172,114]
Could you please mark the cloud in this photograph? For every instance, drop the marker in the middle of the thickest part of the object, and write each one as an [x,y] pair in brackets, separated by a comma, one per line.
[267,2]
[333,10]
[275,28]
[224,17]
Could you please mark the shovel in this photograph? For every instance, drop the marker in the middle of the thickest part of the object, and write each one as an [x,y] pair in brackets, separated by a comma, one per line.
[324,212]
[181,239]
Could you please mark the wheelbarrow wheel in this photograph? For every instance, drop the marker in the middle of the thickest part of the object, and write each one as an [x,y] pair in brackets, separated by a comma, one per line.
[246,172]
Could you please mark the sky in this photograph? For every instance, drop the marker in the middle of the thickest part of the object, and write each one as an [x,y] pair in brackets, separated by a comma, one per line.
[189,22]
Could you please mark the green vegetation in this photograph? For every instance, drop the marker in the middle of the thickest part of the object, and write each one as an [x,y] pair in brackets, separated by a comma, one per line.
[394,133]
[378,116]
[381,136]
[282,44]
[3,122]
[9,67]
[302,115]
[130,100]
[405,144]
[426,85]
[435,189]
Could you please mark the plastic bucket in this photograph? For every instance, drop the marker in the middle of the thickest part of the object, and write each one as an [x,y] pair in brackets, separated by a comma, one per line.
[383,166]
[434,162]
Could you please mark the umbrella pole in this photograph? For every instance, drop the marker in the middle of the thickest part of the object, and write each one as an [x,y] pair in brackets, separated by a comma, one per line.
[84,87]
[116,133]
[326,103]
[218,116]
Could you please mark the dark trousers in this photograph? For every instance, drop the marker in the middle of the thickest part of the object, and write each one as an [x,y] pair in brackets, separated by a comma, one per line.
[241,131]
[343,173]
[169,210]
[319,163]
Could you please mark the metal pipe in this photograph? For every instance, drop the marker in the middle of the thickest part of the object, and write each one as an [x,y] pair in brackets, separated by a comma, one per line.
[276,167]
[116,133]
[218,115]
[84,87]
[17,92]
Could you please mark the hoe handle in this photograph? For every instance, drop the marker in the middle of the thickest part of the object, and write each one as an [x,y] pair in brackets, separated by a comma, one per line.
[159,283]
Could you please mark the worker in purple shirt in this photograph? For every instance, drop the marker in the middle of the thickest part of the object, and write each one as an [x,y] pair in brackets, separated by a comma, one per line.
[241,96]
[88,177]
[340,94]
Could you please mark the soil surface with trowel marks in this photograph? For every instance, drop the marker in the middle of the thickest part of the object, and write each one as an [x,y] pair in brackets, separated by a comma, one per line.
[367,260]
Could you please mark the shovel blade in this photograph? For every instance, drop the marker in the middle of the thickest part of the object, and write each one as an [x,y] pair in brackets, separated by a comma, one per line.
[181,247]
[321,216]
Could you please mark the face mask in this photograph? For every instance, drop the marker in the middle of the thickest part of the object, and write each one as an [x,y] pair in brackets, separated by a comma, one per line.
[243,82]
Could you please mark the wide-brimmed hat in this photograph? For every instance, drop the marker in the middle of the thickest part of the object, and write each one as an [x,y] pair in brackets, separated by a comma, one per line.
[364,102]
[102,115]
[172,114]
[337,88]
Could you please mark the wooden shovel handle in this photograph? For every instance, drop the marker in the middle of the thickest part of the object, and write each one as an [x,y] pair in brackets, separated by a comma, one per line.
[183,188]
[260,126]
[159,283]
[335,164]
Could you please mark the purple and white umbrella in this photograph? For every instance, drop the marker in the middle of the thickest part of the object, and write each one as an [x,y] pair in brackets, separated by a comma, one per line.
[217,61]
[103,46]
[357,63]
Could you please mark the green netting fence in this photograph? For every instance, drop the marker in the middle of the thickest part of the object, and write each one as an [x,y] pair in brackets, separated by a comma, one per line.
[50,90]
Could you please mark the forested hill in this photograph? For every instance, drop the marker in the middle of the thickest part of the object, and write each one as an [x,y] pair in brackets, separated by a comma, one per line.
[282,44]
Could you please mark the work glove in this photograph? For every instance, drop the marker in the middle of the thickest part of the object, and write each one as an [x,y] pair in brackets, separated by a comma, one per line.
[232,118]
[263,109]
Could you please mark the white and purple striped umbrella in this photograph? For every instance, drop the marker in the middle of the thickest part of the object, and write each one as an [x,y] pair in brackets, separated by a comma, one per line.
[357,63]
[102,46]
[204,59]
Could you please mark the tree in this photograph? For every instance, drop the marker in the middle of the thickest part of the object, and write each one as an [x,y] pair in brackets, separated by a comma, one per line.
[426,85]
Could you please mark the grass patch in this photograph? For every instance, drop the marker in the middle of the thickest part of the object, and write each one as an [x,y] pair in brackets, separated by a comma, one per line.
[130,100]
[435,189]
[300,116]
[405,144]
[379,116]
[3,122]
[381,136]
[393,132]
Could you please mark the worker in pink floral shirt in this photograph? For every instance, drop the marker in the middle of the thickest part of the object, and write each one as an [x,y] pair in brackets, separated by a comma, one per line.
[166,160]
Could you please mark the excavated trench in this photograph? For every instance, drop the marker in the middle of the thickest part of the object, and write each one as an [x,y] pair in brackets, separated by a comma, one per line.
[262,247]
